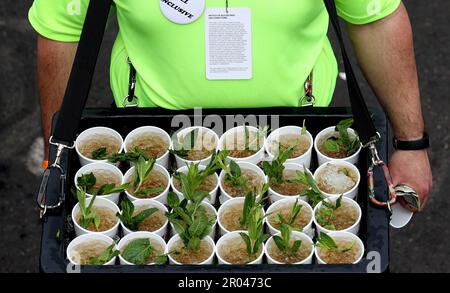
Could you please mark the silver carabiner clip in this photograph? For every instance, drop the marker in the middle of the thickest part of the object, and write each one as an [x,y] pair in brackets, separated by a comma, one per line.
[41,199]
[307,101]
[133,103]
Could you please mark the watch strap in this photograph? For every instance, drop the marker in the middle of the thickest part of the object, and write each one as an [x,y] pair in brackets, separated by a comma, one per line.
[412,145]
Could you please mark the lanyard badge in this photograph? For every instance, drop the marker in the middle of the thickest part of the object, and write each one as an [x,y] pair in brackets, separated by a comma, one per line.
[182,11]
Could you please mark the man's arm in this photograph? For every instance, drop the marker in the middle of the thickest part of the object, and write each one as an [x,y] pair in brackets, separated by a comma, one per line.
[54,62]
[385,54]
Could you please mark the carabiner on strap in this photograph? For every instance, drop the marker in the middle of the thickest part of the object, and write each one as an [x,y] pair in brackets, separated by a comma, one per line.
[377,162]
[41,198]
[131,100]
[308,99]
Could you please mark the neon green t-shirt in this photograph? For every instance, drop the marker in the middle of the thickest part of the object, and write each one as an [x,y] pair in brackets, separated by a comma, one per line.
[289,39]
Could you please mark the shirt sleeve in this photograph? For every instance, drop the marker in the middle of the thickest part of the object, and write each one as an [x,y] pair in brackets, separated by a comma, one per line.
[365,11]
[60,20]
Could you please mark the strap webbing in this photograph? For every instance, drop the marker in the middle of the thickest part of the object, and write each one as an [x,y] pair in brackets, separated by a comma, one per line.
[80,79]
[362,120]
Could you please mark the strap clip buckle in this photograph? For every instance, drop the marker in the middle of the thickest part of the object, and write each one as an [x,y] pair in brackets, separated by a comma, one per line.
[377,162]
[308,100]
[41,197]
[371,142]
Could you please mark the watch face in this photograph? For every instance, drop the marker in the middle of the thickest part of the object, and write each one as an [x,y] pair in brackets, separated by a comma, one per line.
[182,11]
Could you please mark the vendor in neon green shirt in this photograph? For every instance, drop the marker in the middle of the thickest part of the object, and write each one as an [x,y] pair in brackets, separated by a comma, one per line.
[289,41]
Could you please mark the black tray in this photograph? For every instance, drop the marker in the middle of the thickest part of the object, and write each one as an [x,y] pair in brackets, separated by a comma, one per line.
[374,230]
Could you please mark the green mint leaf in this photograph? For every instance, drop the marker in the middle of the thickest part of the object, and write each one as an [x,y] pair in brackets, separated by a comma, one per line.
[338,202]
[249,204]
[194,243]
[105,256]
[299,177]
[325,241]
[332,145]
[295,212]
[179,225]
[296,246]
[173,200]
[87,182]
[192,138]
[285,233]
[247,241]
[181,153]
[350,247]
[279,243]
[127,212]
[138,251]
[111,188]
[344,124]
[303,131]
[161,259]
[143,170]
[131,156]
[246,138]
[99,154]
[87,215]
[140,217]
[235,170]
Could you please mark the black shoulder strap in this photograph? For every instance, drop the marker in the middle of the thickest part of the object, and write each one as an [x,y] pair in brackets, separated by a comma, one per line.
[85,60]
[80,79]
[363,121]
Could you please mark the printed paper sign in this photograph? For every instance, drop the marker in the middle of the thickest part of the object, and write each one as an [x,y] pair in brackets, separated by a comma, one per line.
[228,44]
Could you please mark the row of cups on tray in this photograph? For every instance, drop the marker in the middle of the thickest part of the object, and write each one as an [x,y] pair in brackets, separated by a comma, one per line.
[235,202]
[263,153]
[219,188]
[215,248]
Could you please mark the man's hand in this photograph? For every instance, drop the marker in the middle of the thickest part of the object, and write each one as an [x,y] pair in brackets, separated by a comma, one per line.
[413,169]
[385,53]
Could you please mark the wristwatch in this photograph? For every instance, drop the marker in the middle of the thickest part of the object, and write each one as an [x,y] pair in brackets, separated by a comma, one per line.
[412,145]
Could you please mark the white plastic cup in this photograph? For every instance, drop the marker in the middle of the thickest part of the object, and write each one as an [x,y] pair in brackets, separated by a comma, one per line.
[162,198]
[352,193]
[149,203]
[207,261]
[236,131]
[322,158]
[238,201]
[308,229]
[71,255]
[86,169]
[209,207]
[162,160]
[99,202]
[224,196]
[225,239]
[275,196]
[100,130]
[212,194]
[295,235]
[273,139]
[139,235]
[202,131]
[345,235]
[354,229]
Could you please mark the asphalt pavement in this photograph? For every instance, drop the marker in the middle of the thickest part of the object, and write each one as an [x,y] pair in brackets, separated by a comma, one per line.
[420,247]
